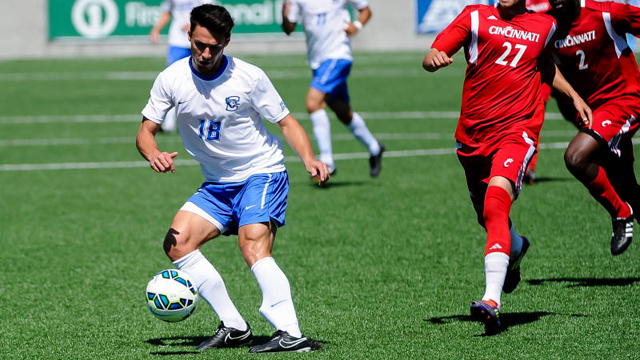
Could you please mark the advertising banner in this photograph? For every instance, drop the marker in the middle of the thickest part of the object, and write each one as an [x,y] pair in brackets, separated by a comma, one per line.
[434,15]
[118,19]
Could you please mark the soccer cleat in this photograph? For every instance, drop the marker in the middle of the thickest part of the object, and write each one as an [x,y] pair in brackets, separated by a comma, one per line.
[283,342]
[487,312]
[375,162]
[512,279]
[622,234]
[227,337]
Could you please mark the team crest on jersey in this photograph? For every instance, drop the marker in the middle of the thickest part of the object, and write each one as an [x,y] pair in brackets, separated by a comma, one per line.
[232,103]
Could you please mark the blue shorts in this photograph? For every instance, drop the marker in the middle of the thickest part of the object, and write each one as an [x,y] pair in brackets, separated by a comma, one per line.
[228,206]
[176,53]
[331,78]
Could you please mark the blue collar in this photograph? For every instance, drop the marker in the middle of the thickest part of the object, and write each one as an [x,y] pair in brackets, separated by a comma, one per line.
[225,62]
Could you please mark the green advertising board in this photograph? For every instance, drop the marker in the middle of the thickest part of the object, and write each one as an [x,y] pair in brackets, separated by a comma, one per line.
[113,19]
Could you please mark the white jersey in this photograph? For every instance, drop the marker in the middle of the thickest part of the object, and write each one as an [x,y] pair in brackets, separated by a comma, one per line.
[324,22]
[220,117]
[180,16]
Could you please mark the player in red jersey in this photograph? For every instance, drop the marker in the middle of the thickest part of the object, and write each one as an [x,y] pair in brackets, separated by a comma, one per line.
[500,120]
[593,54]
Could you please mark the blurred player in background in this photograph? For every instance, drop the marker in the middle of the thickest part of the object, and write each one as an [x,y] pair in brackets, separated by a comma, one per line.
[530,176]
[177,12]
[593,54]
[220,101]
[500,119]
[328,28]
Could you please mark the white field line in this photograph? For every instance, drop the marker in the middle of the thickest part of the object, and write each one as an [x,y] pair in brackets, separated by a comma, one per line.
[144,164]
[176,139]
[149,76]
[406,115]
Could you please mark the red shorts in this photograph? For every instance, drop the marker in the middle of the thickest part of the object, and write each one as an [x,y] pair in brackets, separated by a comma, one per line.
[615,121]
[508,158]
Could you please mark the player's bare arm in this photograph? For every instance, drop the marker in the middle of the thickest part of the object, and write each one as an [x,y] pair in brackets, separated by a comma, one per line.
[160,161]
[297,138]
[436,59]
[287,26]
[363,17]
[163,20]
[562,85]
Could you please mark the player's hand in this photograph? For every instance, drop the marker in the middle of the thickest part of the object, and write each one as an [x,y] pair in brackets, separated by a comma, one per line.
[163,162]
[286,8]
[319,172]
[585,116]
[351,29]
[435,60]
[154,35]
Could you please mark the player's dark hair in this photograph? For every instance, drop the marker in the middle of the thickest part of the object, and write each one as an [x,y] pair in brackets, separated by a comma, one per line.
[214,18]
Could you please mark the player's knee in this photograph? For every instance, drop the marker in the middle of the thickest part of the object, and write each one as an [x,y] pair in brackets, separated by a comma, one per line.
[575,161]
[172,243]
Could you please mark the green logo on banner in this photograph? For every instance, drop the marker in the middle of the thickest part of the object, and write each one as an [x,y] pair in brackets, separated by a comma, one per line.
[104,19]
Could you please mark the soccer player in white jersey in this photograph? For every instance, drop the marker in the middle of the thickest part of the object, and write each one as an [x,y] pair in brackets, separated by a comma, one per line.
[328,28]
[177,13]
[220,101]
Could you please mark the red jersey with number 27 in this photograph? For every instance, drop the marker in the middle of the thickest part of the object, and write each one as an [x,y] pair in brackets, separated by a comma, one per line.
[595,57]
[501,90]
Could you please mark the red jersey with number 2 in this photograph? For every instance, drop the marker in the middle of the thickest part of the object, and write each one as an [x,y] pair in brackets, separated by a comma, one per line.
[595,57]
[501,90]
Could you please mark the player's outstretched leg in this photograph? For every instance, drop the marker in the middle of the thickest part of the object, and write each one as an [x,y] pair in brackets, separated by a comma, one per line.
[277,307]
[376,148]
[226,337]
[487,312]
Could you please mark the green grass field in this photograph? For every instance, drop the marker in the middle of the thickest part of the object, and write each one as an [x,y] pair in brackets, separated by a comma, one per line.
[380,268]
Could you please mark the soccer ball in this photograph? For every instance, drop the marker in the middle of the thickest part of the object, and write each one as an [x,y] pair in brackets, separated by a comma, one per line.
[171,295]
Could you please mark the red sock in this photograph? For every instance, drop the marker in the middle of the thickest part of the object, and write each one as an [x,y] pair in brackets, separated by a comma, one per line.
[497,204]
[602,190]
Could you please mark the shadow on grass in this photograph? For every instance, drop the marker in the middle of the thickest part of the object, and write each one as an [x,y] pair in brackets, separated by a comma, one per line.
[586,282]
[337,183]
[168,342]
[549,179]
[507,320]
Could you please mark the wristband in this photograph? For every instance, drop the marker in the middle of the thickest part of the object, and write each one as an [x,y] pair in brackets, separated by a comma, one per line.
[357,24]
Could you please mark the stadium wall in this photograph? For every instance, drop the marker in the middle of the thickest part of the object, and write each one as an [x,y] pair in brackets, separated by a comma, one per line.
[25,29]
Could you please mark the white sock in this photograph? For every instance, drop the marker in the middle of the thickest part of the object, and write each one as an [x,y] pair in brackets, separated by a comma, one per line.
[170,121]
[359,129]
[277,305]
[495,269]
[516,242]
[322,132]
[211,288]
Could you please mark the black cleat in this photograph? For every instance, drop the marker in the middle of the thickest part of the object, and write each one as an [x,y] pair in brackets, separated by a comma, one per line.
[622,234]
[283,342]
[512,279]
[488,313]
[375,162]
[227,337]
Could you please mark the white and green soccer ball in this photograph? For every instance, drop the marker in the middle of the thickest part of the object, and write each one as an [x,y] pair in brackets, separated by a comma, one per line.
[171,295]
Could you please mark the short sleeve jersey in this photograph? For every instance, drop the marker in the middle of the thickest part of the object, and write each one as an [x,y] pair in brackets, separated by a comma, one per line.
[501,89]
[180,16]
[220,117]
[594,55]
[324,22]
